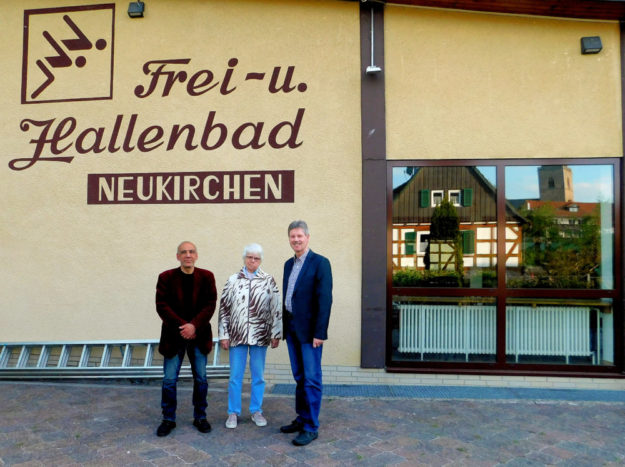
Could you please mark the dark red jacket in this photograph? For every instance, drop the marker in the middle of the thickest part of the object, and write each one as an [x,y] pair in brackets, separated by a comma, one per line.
[169,305]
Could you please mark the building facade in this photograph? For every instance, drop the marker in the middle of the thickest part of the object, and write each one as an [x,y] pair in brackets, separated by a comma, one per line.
[220,122]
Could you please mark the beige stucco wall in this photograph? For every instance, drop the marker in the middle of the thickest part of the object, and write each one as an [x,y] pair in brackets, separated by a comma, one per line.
[73,271]
[469,85]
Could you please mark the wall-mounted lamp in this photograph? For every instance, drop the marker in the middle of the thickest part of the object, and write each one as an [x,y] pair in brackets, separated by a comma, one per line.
[371,69]
[591,45]
[135,9]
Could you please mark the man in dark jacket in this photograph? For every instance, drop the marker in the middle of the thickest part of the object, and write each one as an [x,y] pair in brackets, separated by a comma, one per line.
[307,290]
[185,301]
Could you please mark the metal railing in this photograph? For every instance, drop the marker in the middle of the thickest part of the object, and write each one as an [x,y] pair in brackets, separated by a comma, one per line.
[95,359]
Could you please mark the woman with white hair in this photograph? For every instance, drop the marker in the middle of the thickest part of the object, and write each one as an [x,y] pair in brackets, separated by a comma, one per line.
[250,319]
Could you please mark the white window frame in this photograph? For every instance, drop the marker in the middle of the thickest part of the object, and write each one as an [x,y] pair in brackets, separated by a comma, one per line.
[456,192]
[437,192]
[418,243]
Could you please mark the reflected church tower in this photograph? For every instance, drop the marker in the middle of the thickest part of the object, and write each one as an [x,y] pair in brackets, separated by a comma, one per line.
[555,183]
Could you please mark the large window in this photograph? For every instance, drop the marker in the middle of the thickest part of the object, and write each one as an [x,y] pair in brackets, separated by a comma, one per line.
[504,265]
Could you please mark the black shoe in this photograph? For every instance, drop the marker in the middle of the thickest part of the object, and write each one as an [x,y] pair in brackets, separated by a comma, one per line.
[305,437]
[202,425]
[165,428]
[294,427]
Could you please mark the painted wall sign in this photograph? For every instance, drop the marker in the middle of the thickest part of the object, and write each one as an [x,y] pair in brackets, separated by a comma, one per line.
[191,187]
[68,55]
[79,54]
[128,134]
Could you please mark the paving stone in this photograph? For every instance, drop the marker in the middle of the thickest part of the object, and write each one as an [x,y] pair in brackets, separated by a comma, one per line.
[101,424]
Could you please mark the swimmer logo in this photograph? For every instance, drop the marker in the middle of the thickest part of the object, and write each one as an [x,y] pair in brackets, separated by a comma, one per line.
[68,54]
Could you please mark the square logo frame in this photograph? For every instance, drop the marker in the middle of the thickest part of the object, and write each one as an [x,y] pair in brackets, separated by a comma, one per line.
[68,54]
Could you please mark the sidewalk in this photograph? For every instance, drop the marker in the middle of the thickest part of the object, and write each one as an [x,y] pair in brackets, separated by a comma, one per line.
[66,423]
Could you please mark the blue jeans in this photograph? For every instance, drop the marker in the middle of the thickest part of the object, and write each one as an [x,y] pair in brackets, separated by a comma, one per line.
[171,368]
[306,368]
[238,360]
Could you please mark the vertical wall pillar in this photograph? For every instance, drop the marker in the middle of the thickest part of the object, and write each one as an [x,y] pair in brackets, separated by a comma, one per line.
[373,328]
[620,323]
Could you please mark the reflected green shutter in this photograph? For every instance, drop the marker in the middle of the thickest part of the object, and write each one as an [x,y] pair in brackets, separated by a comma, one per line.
[424,198]
[467,197]
[468,242]
[410,239]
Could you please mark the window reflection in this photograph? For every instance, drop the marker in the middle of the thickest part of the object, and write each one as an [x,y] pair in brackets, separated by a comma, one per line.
[566,226]
[444,226]
[559,225]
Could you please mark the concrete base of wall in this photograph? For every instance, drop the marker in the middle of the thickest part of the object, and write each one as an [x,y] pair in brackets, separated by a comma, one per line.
[281,373]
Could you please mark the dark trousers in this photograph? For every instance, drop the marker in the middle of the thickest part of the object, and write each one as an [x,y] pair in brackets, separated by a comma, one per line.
[306,368]
[171,368]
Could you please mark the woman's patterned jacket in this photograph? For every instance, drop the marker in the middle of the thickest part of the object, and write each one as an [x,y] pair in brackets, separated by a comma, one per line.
[250,311]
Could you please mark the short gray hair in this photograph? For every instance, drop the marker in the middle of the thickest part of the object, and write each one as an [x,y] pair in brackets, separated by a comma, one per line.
[253,248]
[182,243]
[299,225]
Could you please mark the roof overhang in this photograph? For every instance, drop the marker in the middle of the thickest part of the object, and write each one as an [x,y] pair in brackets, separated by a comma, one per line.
[581,9]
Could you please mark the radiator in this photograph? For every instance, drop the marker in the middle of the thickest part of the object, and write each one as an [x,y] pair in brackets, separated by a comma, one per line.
[548,330]
[464,330]
[471,330]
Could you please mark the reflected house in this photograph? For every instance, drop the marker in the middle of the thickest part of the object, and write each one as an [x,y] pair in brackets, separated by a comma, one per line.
[564,246]
[561,245]
[474,197]
[569,215]
[557,196]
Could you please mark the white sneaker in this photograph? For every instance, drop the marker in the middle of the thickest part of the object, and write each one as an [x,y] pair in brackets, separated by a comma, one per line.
[232,421]
[257,417]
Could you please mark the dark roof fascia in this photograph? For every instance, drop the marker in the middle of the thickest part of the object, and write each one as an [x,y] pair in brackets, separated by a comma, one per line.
[579,9]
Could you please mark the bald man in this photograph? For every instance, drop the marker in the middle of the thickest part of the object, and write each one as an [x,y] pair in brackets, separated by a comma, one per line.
[185,301]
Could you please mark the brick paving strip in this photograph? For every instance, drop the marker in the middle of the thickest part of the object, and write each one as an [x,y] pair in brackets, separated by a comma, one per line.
[89,423]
